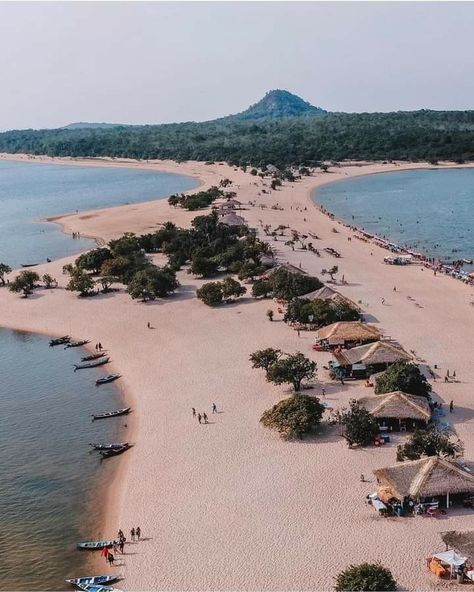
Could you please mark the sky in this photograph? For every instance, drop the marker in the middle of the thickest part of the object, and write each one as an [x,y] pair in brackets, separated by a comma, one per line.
[158,62]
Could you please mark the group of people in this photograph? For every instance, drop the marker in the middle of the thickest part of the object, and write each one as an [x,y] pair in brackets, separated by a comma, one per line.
[202,417]
[98,347]
[447,376]
[135,535]
[76,235]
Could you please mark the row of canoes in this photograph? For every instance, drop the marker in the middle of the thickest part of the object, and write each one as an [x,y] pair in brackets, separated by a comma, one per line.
[95,583]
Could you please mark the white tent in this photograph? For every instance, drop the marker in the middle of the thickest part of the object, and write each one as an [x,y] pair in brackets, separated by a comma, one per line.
[451,558]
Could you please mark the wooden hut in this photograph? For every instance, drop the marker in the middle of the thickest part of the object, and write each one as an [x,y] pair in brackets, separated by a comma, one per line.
[287,266]
[347,333]
[430,477]
[398,410]
[232,220]
[327,293]
[229,205]
[367,359]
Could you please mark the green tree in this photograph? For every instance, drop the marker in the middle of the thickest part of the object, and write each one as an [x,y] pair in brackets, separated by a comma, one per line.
[292,369]
[210,293]
[232,288]
[24,282]
[360,427]
[287,285]
[49,282]
[93,260]
[265,358]
[4,269]
[123,268]
[405,377]
[261,288]
[366,577]
[203,267]
[331,271]
[429,442]
[125,245]
[81,282]
[152,283]
[294,417]
[106,281]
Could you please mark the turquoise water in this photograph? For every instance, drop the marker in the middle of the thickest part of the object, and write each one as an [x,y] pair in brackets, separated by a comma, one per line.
[48,475]
[431,211]
[29,191]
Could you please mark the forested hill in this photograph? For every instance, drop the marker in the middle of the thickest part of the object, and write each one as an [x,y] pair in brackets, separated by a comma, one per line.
[418,135]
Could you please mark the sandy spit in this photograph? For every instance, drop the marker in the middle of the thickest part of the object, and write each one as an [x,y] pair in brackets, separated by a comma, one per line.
[229,506]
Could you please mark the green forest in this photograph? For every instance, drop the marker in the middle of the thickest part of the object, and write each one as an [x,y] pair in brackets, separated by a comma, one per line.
[417,135]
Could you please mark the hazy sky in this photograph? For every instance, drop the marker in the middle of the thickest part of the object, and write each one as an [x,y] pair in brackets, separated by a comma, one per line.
[154,62]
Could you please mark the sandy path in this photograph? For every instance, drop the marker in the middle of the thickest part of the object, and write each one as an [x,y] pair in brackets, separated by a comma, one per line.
[228,505]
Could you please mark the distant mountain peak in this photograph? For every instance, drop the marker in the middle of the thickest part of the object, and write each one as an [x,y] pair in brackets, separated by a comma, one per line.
[278,103]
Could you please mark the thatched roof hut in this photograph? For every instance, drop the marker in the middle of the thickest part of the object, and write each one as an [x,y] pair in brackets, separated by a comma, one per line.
[372,354]
[397,405]
[343,331]
[288,266]
[427,477]
[232,220]
[327,293]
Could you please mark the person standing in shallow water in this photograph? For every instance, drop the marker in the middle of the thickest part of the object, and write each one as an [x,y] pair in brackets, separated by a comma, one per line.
[451,407]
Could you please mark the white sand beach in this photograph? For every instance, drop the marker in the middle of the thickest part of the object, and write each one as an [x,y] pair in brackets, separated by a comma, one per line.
[229,505]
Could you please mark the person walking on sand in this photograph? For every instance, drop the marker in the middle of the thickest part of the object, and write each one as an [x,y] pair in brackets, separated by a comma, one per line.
[451,407]
[214,408]
[110,559]
[323,393]
[120,534]
[105,552]
[148,325]
[194,411]
[138,532]
[383,300]
[132,534]
[204,416]
[199,418]
[121,545]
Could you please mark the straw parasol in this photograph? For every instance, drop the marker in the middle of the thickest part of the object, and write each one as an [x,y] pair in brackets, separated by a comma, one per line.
[232,220]
[287,266]
[372,354]
[427,477]
[397,405]
[348,331]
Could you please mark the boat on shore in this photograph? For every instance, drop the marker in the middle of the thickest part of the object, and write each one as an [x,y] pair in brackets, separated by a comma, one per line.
[77,343]
[84,580]
[92,364]
[97,588]
[114,451]
[29,264]
[59,340]
[93,357]
[116,413]
[106,379]
[113,446]
[95,545]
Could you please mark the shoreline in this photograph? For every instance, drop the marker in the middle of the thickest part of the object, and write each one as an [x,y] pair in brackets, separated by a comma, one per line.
[303,191]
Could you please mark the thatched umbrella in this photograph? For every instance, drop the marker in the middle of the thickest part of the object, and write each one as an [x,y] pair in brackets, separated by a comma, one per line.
[327,293]
[343,331]
[232,220]
[397,405]
[373,354]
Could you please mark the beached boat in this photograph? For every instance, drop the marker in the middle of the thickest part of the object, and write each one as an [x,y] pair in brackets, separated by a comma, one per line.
[77,343]
[108,378]
[93,357]
[114,451]
[101,580]
[97,588]
[115,413]
[112,446]
[93,364]
[59,340]
[95,545]
[29,264]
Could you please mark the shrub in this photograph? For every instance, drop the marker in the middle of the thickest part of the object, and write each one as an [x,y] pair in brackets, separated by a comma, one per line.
[152,283]
[4,269]
[24,282]
[429,442]
[49,282]
[292,369]
[403,377]
[360,427]
[232,288]
[210,293]
[93,260]
[261,288]
[287,285]
[366,577]
[294,417]
[264,358]
[203,267]
[80,282]
[321,312]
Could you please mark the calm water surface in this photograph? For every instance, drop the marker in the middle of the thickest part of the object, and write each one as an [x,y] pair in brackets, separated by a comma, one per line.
[427,210]
[48,475]
[30,191]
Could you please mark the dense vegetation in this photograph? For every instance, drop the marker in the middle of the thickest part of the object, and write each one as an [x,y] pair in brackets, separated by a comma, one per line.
[319,312]
[294,417]
[285,285]
[366,577]
[359,426]
[430,442]
[403,377]
[417,135]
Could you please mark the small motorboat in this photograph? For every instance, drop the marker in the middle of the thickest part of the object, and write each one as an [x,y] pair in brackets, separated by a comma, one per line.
[77,343]
[59,340]
[29,264]
[95,545]
[93,580]
[108,378]
[114,451]
[115,413]
[97,588]
[93,357]
[108,446]
[92,364]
